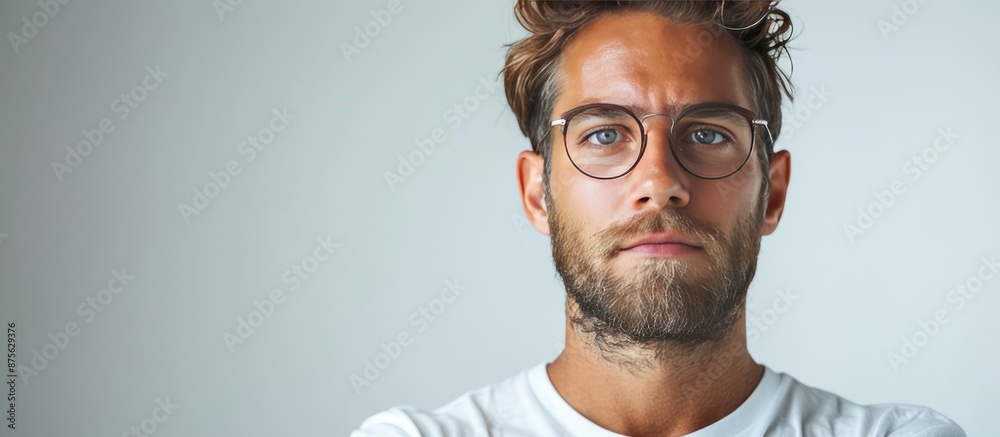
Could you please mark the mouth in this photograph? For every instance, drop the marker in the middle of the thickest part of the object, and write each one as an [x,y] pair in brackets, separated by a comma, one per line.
[662,244]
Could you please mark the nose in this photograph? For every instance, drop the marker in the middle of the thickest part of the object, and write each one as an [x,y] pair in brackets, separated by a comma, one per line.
[658,181]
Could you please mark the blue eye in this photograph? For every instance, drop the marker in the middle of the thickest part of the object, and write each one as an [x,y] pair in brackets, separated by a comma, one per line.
[707,137]
[603,137]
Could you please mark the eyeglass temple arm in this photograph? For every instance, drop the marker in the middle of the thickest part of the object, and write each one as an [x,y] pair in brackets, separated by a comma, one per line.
[764,123]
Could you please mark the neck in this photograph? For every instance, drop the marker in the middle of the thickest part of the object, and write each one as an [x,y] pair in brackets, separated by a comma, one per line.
[655,389]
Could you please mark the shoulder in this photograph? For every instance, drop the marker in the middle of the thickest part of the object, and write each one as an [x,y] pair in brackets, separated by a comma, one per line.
[476,413]
[803,409]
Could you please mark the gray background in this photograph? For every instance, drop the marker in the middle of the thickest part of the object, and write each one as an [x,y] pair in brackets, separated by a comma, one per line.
[457,216]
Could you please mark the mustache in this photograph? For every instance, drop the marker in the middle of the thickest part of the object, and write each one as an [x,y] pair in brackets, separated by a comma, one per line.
[610,239]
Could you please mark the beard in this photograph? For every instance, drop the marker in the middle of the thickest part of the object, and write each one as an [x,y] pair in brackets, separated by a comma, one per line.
[657,300]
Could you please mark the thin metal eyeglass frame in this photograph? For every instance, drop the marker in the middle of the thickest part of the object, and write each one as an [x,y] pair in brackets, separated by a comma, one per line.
[746,113]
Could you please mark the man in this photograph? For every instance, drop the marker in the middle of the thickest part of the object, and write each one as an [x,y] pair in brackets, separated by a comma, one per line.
[652,168]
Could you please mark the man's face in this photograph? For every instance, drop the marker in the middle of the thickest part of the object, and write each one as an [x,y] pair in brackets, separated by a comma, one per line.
[689,283]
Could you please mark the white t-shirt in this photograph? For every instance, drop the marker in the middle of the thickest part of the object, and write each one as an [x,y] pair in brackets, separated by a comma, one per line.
[528,405]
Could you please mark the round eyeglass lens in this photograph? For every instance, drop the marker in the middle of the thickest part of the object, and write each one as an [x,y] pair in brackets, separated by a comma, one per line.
[603,141]
[712,142]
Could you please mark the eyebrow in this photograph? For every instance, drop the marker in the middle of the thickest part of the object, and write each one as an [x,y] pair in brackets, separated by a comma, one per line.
[669,109]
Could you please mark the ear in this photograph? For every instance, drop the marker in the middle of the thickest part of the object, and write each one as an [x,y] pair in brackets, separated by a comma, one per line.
[781,171]
[530,168]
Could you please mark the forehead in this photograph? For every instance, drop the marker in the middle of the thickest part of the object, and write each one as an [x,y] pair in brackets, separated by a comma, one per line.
[651,62]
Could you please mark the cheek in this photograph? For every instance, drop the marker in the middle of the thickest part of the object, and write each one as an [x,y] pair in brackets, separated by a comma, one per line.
[584,202]
[733,196]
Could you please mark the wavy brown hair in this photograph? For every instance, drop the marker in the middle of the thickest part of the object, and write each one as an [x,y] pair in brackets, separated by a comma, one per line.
[530,73]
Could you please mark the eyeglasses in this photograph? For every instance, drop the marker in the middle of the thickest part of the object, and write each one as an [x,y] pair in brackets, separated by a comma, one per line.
[709,140]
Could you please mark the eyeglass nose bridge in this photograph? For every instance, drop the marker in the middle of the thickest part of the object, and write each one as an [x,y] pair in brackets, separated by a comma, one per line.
[648,116]
[642,121]
[669,138]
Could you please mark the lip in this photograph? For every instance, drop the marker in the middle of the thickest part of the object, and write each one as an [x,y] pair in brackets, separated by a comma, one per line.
[667,243]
